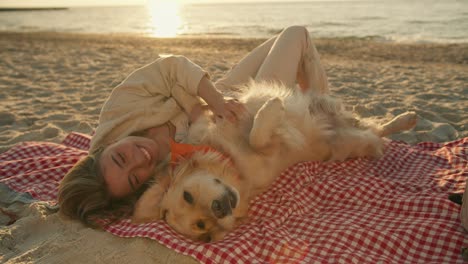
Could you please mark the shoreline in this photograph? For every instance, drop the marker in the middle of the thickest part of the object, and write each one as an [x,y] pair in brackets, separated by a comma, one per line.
[55,83]
[31,9]
[368,47]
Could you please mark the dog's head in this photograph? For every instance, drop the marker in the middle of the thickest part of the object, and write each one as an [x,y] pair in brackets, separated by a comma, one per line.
[201,200]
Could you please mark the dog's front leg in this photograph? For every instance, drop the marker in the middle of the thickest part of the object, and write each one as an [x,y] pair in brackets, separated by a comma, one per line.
[269,117]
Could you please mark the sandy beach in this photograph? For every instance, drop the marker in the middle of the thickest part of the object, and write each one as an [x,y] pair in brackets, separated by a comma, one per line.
[52,84]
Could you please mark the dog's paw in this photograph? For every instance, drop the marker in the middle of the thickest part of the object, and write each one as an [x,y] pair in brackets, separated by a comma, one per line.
[268,118]
[402,122]
[274,107]
[405,121]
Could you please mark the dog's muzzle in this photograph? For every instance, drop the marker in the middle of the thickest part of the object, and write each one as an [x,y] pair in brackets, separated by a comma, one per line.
[223,206]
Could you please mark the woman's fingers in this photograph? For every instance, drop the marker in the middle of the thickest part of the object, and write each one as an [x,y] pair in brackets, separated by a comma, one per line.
[233,111]
[237,110]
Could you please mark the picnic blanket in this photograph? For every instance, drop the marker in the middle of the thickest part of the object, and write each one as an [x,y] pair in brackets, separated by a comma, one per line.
[391,210]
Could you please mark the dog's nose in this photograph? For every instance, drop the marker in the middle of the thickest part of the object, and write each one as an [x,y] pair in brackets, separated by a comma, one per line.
[221,207]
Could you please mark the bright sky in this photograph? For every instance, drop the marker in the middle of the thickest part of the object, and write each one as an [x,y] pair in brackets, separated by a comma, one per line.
[64,3]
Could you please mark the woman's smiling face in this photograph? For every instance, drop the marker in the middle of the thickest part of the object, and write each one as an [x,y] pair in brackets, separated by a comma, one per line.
[129,163]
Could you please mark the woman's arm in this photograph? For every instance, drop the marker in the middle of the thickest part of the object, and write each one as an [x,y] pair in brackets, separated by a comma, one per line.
[186,79]
[153,94]
[150,96]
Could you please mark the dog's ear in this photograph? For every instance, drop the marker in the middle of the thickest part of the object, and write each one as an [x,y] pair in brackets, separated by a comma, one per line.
[148,207]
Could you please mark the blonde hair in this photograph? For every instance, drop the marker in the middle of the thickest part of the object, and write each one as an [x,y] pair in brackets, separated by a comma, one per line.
[83,194]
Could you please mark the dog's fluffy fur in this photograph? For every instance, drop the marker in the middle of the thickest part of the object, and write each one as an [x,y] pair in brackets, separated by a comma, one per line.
[207,194]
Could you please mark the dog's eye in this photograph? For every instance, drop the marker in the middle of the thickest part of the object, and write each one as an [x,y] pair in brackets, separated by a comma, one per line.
[201,224]
[188,197]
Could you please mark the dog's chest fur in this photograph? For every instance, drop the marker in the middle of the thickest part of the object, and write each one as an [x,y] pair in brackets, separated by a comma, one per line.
[277,132]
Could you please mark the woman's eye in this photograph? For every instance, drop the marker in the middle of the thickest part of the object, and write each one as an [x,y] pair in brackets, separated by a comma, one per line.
[122,158]
[188,197]
[135,178]
[201,224]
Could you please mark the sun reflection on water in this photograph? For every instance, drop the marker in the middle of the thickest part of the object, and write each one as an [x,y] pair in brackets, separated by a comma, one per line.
[164,17]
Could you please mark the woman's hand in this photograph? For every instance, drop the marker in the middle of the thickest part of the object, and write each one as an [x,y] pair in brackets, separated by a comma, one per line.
[230,109]
[197,111]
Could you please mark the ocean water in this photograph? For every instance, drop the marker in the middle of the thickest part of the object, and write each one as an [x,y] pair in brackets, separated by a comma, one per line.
[443,21]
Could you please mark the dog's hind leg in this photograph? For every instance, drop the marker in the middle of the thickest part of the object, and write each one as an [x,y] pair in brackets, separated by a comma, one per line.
[405,121]
[269,117]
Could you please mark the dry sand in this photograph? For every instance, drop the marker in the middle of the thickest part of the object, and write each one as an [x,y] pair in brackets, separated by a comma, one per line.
[52,84]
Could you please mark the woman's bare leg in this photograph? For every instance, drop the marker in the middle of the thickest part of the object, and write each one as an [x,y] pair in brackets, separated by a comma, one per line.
[246,69]
[289,58]
[293,59]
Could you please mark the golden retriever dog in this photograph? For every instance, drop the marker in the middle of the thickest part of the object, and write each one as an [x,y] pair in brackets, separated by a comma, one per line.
[206,193]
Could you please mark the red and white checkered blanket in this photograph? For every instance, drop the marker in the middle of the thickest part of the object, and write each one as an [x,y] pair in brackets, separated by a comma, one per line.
[391,210]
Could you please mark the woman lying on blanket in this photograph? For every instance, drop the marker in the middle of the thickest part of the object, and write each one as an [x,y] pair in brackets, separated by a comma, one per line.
[155,105]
